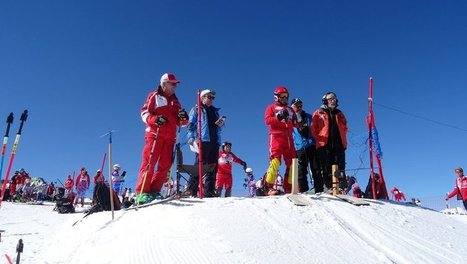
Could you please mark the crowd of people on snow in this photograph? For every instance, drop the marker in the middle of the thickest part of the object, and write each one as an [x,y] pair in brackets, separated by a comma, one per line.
[22,188]
[317,140]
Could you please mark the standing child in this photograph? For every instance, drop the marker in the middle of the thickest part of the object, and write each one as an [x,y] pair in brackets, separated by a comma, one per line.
[224,169]
[117,179]
[250,182]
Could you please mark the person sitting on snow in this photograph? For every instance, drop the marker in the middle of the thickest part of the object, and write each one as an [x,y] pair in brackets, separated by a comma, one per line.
[354,187]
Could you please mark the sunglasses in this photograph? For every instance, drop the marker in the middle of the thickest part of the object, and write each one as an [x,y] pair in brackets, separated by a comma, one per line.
[283,95]
[211,97]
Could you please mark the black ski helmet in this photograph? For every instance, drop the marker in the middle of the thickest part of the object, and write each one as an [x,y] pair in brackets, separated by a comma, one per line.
[296,101]
[325,98]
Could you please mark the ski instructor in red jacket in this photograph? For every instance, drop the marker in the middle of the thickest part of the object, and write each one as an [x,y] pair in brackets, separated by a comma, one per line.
[281,120]
[162,114]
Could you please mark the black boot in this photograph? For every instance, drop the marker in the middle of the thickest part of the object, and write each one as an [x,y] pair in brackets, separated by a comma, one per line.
[228,192]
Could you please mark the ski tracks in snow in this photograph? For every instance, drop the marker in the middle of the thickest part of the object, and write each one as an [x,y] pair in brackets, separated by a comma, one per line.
[395,242]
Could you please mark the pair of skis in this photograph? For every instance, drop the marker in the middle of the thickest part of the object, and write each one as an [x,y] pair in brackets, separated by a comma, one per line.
[302,200]
[9,121]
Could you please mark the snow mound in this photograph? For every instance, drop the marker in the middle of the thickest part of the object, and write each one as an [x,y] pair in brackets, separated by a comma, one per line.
[241,230]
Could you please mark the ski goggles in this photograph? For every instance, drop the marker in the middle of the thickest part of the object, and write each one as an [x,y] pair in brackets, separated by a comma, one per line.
[283,95]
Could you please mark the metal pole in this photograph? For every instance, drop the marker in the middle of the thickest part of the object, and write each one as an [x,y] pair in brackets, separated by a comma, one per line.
[110,172]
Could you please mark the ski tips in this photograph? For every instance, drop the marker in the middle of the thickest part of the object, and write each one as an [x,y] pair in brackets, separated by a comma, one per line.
[24,115]
[9,119]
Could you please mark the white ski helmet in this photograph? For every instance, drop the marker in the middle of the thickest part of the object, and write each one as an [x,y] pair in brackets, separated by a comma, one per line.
[117,166]
[248,170]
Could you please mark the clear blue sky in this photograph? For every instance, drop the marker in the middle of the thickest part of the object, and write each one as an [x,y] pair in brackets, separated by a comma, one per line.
[83,68]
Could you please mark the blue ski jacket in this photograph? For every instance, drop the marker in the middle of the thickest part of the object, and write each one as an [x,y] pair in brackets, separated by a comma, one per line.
[301,141]
[193,125]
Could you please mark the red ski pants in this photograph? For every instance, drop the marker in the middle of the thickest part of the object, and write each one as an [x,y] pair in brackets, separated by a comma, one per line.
[162,155]
[280,146]
[223,180]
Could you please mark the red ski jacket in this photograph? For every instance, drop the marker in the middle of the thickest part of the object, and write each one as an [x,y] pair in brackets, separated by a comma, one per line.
[83,180]
[224,162]
[157,105]
[320,127]
[277,127]
[69,183]
[461,187]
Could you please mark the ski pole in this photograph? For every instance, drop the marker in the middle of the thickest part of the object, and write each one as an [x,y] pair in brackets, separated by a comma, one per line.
[447,203]
[9,121]
[23,119]
[169,175]
[19,250]
[8,259]
[149,163]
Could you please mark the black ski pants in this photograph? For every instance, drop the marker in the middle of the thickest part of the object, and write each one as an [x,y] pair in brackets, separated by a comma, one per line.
[326,158]
[307,157]
[210,153]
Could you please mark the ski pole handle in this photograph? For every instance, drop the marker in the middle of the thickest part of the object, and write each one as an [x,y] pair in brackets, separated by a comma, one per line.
[9,121]
[23,118]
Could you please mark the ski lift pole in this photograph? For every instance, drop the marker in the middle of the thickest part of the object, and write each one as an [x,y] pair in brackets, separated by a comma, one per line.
[9,121]
[24,117]
[110,172]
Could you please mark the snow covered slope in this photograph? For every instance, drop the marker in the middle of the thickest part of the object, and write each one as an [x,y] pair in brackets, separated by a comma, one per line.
[238,230]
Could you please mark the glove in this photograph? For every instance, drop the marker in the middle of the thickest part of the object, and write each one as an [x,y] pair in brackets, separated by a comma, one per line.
[244,165]
[283,115]
[123,174]
[182,115]
[160,120]
[191,141]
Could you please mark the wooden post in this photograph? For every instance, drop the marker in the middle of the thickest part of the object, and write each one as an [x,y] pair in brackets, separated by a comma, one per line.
[294,176]
[335,179]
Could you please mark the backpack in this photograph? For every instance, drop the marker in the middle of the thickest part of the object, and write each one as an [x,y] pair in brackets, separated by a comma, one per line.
[102,199]
[64,204]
